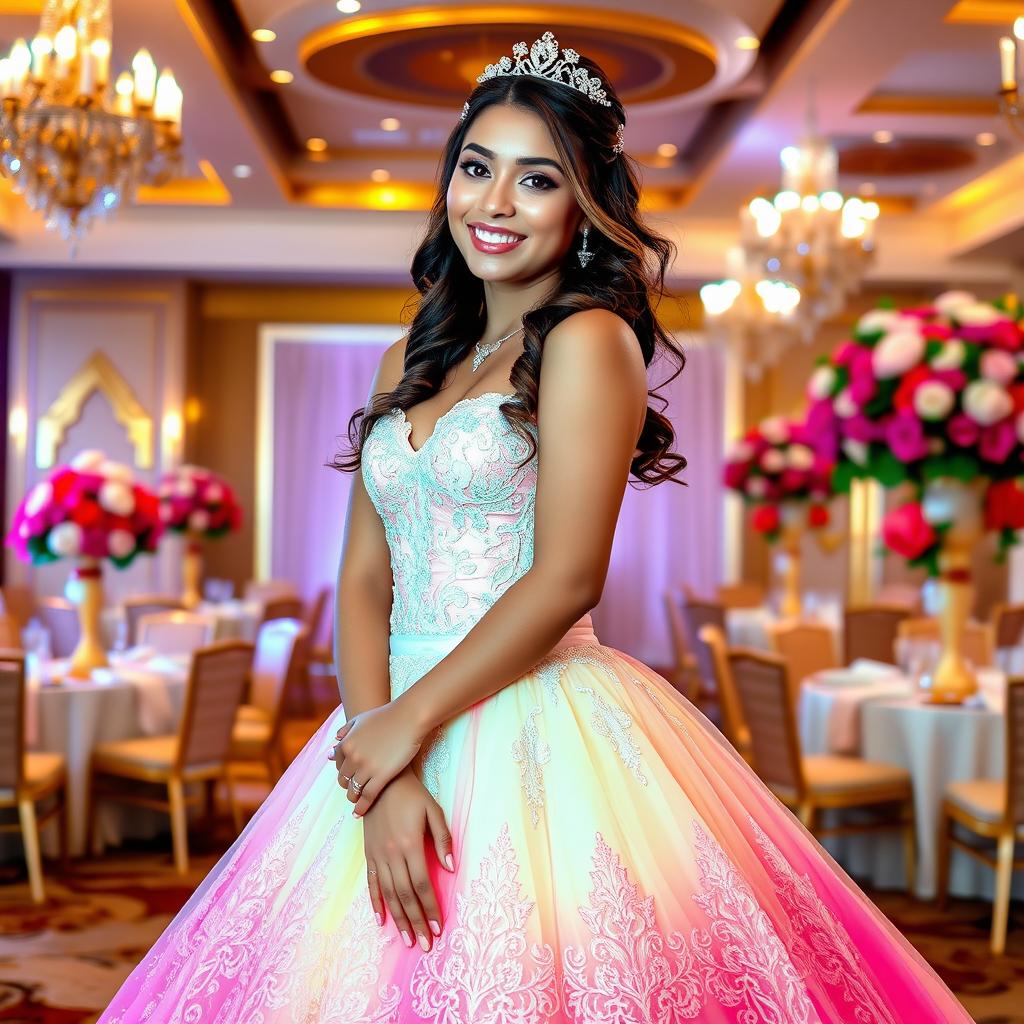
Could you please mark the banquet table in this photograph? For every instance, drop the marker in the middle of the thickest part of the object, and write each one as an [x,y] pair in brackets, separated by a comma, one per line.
[882,717]
[234,620]
[749,627]
[138,695]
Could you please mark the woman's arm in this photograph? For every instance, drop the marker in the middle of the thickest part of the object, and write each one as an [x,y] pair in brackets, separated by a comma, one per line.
[592,402]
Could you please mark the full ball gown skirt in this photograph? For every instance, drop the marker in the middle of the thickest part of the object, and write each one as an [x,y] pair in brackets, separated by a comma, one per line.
[616,861]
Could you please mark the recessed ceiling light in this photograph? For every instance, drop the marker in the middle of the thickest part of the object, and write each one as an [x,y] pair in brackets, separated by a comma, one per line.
[668,149]
[379,174]
[867,189]
[264,35]
[986,138]
[391,124]
[747,43]
[316,144]
[241,171]
[281,76]
[883,136]
[348,6]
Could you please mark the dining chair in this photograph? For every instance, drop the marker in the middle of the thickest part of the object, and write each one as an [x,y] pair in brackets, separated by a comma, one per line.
[27,777]
[177,632]
[267,590]
[1008,632]
[734,726]
[811,783]
[136,608]
[977,643]
[806,647]
[684,672]
[992,809]
[10,633]
[60,617]
[698,613]
[743,594]
[19,602]
[197,753]
[282,648]
[283,608]
[869,631]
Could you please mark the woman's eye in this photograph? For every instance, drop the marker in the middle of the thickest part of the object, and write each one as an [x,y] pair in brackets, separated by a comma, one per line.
[543,182]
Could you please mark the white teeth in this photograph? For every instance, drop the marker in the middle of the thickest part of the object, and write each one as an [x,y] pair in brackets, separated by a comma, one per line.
[494,239]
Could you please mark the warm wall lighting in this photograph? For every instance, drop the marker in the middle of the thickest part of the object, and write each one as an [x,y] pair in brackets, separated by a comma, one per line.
[883,136]
[193,410]
[986,138]
[281,76]
[668,150]
[242,171]
[316,144]
[748,43]
[17,423]
[172,428]
[380,174]
[264,35]
[390,124]
[348,6]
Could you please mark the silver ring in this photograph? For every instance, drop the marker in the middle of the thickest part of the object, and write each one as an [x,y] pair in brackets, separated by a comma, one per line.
[370,871]
[347,779]
[356,786]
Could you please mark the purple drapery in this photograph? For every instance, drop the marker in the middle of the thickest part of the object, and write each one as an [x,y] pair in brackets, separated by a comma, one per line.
[666,535]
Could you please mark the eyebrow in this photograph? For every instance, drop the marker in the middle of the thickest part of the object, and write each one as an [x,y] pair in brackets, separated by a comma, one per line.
[526,161]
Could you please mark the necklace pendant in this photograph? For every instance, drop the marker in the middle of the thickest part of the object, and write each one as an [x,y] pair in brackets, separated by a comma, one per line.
[481,354]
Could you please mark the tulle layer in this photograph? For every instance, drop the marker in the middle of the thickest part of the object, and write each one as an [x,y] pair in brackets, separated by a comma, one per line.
[616,863]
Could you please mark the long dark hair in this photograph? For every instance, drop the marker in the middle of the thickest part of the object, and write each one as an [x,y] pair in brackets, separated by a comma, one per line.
[626,274]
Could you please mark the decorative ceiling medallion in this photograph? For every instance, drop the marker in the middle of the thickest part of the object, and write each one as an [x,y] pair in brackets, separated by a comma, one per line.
[904,157]
[432,55]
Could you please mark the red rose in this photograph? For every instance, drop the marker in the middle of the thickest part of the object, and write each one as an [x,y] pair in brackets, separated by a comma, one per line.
[1004,505]
[906,531]
[86,513]
[817,517]
[735,475]
[904,395]
[765,518]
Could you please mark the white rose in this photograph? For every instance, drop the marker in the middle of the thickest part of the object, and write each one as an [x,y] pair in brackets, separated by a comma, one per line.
[822,381]
[896,353]
[184,487]
[998,365]
[799,456]
[39,497]
[947,302]
[756,486]
[116,471]
[117,498]
[950,356]
[740,451]
[775,430]
[214,493]
[844,406]
[879,319]
[166,489]
[856,451]
[199,520]
[986,402]
[773,461]
[88,461]
[933,400]
[1020,427]
[166,513]
[121,543]
[65,539]
[977,314]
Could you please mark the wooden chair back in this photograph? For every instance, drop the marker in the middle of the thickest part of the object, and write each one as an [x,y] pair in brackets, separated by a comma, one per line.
[744,594]
[19,602]
[283,608]
[136,608]
[12,720]
[766,702]
[698,614]
[176,632]
[976,642]
[60,617]
[806,647]
[216,684]
[1014,812]
[315,611]
[870,632]
[676,628]
[281,650]
[1008,626]
[733,724]
[10,633]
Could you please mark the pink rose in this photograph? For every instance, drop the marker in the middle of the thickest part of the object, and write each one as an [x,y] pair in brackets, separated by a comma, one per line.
[998,365]
[846,351]
[905,435]
[793,481]
[997,441]
[734,475]
[860,428]
[905,531]
[1004,334]
[963,431]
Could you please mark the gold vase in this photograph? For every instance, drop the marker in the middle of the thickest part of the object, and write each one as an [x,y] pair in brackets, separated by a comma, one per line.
[791,534]
[90,652]
[959,505]
[192,574]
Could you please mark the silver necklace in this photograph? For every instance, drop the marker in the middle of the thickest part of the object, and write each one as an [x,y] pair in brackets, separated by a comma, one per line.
[483,351]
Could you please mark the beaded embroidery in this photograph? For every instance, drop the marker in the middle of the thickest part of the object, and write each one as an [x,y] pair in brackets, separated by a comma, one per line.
[532,753]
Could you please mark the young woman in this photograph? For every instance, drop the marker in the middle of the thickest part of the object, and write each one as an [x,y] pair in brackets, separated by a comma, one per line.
[524,825]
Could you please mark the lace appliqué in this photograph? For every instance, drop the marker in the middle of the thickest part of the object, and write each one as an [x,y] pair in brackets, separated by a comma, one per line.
[550,668]
[820,944]
[630,972]
[434,758]
[531,753]
[659,704]
[478,971]
[616,724]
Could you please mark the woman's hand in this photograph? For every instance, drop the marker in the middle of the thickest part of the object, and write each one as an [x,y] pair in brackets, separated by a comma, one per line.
[372,749]
[397,876]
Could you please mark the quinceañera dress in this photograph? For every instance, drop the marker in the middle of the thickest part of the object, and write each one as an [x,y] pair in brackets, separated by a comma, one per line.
[616,861]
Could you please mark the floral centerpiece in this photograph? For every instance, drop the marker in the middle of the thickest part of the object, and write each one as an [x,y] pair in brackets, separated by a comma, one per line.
[933,398]
[199,504]
[783,471]
[90,510]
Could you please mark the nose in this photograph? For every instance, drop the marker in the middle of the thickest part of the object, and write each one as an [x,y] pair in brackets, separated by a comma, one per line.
[498,198]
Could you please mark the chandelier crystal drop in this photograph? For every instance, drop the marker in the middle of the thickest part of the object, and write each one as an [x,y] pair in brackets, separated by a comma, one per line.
[74,147]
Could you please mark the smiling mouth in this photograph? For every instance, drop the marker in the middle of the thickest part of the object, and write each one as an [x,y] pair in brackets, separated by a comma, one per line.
[494,241]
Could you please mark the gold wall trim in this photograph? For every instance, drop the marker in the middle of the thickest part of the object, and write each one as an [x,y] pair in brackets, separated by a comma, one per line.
[985,12]
[16,7]
[208,190]
[929,106]
[98,373]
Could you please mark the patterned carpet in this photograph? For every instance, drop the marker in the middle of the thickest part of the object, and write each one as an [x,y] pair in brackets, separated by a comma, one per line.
[62,962]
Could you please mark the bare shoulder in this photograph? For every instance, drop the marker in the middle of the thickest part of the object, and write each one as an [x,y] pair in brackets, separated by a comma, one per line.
[391,367]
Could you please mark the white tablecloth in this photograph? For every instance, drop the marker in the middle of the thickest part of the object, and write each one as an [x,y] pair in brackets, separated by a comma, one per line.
[236,620]
[748,627]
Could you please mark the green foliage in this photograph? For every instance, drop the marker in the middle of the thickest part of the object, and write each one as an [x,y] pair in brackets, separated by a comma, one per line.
[929,560]
[958,465]
[843,475]
[40,553]
[885,467]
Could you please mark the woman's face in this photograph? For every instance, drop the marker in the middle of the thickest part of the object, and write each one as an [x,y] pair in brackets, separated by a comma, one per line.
[511,209]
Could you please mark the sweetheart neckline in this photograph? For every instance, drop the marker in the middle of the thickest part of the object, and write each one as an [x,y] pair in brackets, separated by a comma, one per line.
[504,395]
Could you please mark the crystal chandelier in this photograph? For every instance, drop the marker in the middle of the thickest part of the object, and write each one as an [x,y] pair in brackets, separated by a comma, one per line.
[68,146]
[1011,61]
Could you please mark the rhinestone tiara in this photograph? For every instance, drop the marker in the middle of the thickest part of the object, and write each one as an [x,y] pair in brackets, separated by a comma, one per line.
[544,60]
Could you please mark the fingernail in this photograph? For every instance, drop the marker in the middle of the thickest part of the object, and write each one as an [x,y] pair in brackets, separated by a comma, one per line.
[408,940]
[356,814]
[424,943]
[435,927]
[330,755]
[380,919]
[449,861]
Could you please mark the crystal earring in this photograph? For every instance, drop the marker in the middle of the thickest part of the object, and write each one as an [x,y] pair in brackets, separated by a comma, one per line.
[584,253]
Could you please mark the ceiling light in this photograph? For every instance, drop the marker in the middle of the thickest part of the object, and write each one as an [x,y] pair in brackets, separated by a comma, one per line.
[316,144]
[264,35]
[379,174]
[986,138]
[747,43]
[348,6]
[241,171]
[391,124]
[883,136]
[668,149]
[281,76]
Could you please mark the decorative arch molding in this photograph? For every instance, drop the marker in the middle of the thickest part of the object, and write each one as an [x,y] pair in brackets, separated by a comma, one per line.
[97,373]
